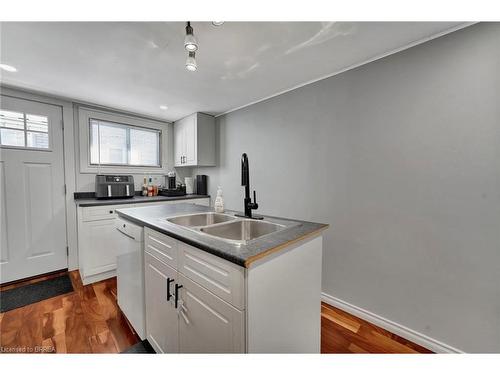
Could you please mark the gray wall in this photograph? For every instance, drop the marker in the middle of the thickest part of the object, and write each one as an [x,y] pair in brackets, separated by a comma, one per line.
[402,158]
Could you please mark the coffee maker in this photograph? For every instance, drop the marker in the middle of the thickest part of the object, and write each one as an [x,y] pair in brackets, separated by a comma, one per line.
[172,189]
[171,183]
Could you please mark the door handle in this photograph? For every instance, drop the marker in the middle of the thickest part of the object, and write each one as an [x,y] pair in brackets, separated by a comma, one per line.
[169,280]
[177,287]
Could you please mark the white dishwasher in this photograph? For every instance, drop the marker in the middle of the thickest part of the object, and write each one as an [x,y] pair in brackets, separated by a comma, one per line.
[130,274]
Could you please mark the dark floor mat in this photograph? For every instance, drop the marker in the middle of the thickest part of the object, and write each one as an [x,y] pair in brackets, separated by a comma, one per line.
[142,347]
[28,294]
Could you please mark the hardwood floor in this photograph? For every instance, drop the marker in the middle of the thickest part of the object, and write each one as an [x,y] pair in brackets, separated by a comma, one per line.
[344,333]
[89,320]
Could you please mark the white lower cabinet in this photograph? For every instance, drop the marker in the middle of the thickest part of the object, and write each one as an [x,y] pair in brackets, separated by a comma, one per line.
[161,317]
[202,322]
[207,324]
[98,238]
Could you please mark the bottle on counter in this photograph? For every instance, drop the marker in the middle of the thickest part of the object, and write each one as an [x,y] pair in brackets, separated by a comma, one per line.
[150,187]
[219,201]
[145,187]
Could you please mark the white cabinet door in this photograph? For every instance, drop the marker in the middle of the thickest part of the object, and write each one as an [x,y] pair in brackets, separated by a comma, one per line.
[207,324]
[179,143]
[190,142]
[98,246]
[162,327]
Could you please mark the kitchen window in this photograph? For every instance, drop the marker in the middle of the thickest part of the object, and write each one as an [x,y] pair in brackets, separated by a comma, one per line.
[118,144]
[23,130]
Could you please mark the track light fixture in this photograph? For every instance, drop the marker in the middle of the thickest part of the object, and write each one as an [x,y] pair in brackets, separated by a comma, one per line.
[190,42]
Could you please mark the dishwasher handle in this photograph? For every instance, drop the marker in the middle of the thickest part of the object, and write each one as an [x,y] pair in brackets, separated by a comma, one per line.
[126,234]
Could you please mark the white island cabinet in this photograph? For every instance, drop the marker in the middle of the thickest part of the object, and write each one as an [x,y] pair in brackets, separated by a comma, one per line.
[97,238]
[197,302]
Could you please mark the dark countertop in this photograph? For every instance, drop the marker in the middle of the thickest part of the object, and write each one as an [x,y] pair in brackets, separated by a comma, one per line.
[89,202]
[154,217]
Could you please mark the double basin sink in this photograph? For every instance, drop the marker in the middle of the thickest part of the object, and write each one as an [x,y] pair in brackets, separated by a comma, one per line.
[227,227]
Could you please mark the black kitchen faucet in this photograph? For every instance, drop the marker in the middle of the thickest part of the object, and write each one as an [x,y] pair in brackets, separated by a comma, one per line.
[245,181]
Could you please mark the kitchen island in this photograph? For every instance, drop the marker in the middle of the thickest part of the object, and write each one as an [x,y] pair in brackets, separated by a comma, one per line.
[221,283]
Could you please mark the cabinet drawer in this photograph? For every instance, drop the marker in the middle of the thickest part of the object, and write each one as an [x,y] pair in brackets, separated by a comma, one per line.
[222,278]
[161,247]
[98,213]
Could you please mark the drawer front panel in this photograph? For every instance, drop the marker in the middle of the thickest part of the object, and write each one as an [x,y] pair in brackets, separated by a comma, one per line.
[222,278]
[98,213]
[161,247]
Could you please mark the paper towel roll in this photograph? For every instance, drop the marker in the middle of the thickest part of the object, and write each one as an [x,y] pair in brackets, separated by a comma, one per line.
[188,181]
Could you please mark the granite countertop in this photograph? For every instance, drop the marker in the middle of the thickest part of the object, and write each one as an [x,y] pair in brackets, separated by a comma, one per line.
[89,202]
[154,217]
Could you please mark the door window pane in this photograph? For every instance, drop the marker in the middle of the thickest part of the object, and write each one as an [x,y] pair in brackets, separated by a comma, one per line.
[11,137]
[9,119]
[37,123]
[18,128]
[121,144]
[37,140]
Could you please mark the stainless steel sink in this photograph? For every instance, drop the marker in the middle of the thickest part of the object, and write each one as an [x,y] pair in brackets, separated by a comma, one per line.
[242,230]
[199,220]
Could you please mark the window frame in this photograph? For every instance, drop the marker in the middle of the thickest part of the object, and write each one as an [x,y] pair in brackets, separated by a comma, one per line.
[82,116]
[128,127]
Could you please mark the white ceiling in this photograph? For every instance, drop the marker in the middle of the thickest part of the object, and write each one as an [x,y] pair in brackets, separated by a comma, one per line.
[140,66]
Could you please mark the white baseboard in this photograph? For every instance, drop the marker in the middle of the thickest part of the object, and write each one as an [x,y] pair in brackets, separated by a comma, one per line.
[393,327]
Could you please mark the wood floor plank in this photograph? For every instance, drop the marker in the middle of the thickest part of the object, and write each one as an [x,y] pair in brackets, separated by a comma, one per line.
[103,343]
[339,335]
[340,319]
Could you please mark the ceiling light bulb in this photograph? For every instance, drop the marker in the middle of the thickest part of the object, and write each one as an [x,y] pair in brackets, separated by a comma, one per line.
[8,68]
[191,62]
[164,107]
[190,43]
[217,23]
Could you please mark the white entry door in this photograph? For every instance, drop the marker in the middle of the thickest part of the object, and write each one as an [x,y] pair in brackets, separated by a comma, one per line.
[32,196]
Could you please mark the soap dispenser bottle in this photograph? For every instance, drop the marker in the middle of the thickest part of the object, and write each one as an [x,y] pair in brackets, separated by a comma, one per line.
[219,201]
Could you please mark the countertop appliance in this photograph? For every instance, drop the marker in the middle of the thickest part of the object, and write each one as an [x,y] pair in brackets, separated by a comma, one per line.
[171,183]
[180,190]
[130,274]
[201,184]
[112,186]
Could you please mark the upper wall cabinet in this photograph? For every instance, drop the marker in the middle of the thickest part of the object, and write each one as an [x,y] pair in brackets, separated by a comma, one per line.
[194,141]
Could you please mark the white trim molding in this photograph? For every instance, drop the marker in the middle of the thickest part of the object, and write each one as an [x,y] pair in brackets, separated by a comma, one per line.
[393,327]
